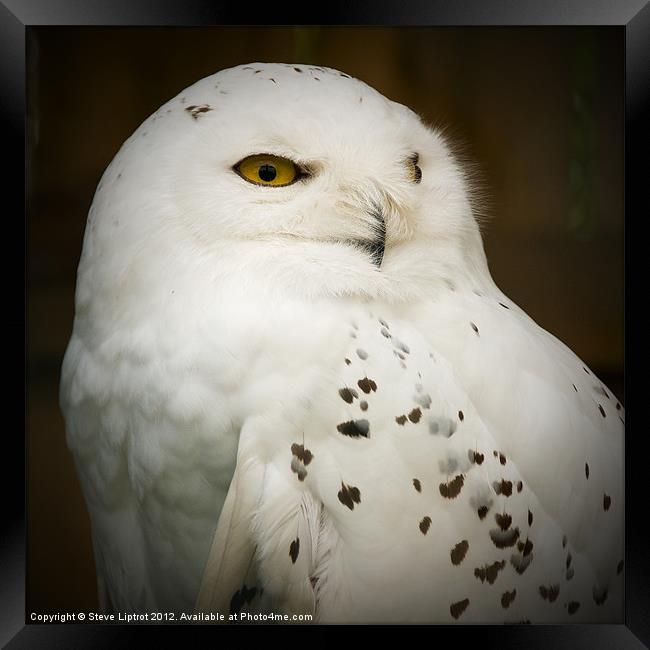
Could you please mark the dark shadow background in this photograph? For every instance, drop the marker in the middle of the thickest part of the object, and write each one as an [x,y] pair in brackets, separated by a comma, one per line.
[540,110]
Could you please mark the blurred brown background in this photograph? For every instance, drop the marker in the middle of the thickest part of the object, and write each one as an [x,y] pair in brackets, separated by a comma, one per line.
[540,110]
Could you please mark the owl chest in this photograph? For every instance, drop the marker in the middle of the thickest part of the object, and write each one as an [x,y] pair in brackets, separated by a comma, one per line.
[179,415]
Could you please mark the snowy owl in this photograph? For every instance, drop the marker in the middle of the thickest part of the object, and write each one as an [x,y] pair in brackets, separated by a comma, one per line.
[294,390]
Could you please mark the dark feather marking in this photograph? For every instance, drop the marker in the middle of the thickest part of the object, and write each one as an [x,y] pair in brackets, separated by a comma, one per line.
[520,562]
[456,609]
[348,395]
[402,346]
[298,468]
[600,595]
[242,597]
[507,598]
[503,520]
[301,458]
[504,487]
[549,593]
[489,572]
[458,552]
[349,495]
[451,489]
[475,457]
[367,385]
[294,549]
[504,539]
[355,428]
[301,453]
[573,607]
[195,111]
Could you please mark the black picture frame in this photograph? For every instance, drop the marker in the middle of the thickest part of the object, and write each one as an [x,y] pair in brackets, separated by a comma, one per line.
[16,16]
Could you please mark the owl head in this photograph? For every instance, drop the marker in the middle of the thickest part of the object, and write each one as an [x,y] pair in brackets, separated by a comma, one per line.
[284,178]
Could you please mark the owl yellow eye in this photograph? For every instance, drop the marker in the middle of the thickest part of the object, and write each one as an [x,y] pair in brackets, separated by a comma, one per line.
[269,170]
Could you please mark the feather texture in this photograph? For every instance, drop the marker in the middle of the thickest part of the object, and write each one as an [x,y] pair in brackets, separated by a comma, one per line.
[267,419]
[426,499]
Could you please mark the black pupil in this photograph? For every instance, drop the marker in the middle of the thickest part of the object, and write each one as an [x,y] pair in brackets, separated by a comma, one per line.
[267,173]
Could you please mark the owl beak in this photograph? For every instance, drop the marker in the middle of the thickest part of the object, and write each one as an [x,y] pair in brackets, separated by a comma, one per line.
[377,244]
